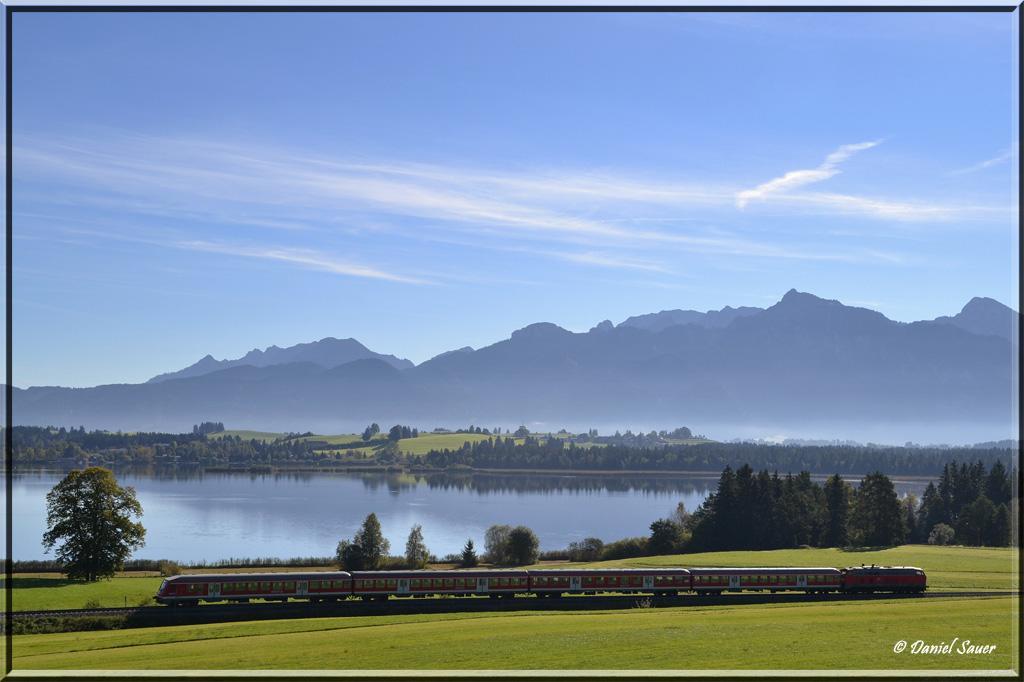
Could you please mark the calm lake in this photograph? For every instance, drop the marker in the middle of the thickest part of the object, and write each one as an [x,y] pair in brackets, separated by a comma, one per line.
[211,516]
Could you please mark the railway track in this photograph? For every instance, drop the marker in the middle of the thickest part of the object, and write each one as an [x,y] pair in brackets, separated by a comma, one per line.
[151,616]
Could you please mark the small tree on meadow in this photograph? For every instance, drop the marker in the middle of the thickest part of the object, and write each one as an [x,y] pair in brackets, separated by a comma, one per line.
[367,549]
[523,546]
[665,537]
[469,558]
[941,534]
[371,431]
[416,554]
[496,544]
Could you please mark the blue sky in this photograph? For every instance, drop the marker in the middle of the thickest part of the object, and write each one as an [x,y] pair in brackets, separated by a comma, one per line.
[192,184]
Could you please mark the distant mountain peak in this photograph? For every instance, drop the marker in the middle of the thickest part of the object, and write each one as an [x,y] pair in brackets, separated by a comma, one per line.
[794,297]
[457,351]
[603,326]
[655,322]
[327,352]
[984,316]
[540,330]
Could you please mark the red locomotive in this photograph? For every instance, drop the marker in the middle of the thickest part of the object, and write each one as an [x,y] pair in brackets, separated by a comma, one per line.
[884,579]
[379,585]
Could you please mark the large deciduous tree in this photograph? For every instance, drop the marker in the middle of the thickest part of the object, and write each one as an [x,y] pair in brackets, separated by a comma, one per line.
[90,520]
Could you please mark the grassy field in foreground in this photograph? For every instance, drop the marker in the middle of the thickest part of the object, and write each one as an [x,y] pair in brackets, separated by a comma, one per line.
[948,568]
[38,593]
[809,636]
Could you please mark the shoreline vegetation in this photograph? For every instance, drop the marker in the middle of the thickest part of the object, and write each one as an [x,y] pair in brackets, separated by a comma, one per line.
[641,473]
[473,450]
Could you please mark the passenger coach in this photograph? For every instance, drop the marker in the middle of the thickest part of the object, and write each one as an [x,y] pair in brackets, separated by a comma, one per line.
[189,590]
[718,580]
[381,584]
[659,581]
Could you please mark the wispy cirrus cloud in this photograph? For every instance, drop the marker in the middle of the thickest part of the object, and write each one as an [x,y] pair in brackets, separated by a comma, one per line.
[603,219]
[306,258]
[310,259]
[1003,157]
[798,178]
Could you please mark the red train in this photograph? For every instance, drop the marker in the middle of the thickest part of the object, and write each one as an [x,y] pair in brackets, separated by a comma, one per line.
[543,583]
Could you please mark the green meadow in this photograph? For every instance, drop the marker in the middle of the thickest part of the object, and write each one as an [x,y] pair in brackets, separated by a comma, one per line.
[50,591]
[852,635]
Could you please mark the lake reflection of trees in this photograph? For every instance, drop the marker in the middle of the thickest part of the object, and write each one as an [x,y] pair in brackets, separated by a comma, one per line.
[486,484]
[480,483]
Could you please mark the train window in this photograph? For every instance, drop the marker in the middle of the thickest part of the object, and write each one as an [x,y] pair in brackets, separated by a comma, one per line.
[289,586]
[392,584]
[414,583]
[379,583]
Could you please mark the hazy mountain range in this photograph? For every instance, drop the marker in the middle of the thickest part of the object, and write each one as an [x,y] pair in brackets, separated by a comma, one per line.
[803,360]
[329,352]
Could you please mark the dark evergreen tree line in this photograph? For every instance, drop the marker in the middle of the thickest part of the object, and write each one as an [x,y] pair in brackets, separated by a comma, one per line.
[974,503]
[766,511]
